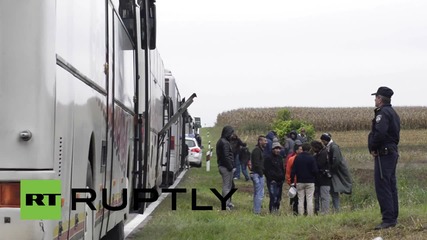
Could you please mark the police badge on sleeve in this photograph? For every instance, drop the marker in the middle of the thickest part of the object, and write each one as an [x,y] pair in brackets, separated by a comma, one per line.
[378,118]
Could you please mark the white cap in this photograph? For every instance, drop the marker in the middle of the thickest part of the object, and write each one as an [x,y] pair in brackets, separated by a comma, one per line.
[292,192]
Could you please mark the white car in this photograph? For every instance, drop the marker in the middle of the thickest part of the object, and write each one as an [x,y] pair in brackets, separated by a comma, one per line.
[195,152]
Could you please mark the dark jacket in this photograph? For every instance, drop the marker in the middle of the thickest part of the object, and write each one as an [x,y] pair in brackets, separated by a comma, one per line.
[273,168]
[224,152]
[236,143]
[199,140]
[322,178]
[385,131]
[305,168]
[244,155]
[257,160]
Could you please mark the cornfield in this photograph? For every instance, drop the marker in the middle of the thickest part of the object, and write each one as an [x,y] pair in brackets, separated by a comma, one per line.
[323,119]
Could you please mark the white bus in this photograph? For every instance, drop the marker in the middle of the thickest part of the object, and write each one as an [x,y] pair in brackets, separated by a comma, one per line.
[82,93]
[174,157]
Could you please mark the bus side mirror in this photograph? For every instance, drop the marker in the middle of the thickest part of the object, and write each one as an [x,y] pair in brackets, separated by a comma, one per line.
[148,20]
[152,22]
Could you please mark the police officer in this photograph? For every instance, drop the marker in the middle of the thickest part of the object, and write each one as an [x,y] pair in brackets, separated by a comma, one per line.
[382,143]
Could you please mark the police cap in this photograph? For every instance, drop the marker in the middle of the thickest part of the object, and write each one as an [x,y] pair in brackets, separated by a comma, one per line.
[384,91]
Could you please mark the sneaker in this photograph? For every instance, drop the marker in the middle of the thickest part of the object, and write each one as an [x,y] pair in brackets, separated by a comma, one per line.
[259,215]
[274,211]
[231,205]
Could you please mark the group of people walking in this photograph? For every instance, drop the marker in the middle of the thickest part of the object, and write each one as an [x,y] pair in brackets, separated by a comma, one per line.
[317,169]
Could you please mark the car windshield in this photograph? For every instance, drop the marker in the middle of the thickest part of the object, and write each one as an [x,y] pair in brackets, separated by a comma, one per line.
[190,143]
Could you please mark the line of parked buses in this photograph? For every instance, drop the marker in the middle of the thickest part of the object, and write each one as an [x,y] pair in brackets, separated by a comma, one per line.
[87,101]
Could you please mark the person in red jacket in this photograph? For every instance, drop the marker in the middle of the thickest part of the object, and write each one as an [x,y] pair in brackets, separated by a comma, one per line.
[293,201]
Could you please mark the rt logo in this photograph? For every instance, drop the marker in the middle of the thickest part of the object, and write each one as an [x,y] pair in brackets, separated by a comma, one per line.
[41,199]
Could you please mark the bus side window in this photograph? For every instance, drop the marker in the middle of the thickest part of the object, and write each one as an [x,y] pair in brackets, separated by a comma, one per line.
[127,13]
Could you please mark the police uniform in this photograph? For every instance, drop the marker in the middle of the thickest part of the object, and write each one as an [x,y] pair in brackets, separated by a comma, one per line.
[383,139]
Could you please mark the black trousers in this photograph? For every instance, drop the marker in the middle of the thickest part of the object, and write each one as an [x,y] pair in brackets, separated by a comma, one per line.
[294,203]
[386,187]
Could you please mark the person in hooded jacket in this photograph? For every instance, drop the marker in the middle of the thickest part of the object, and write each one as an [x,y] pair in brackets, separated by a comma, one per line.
[270,137]
[290,142]
[225,159]
[275,174]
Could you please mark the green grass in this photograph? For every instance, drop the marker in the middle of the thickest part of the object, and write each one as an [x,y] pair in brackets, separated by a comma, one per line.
[360,211]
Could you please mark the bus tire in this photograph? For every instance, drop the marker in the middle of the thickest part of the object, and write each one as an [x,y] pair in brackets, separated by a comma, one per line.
[116,233]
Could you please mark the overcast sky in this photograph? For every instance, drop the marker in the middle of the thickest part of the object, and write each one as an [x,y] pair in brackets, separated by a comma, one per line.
[276,53]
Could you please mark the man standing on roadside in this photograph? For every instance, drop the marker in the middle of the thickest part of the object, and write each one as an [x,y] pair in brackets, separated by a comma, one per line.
[275,174]
[341,177]
[382,143]
[257,173]
[225,158]
[305,170]
[288,169]
[236,144]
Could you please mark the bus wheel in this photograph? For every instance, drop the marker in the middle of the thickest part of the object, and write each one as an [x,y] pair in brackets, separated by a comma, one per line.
[116,233]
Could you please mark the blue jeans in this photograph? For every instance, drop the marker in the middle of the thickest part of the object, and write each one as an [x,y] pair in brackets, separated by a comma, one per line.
[275,192]
[245,171]
[237,164]
[258,192]
[241,166]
